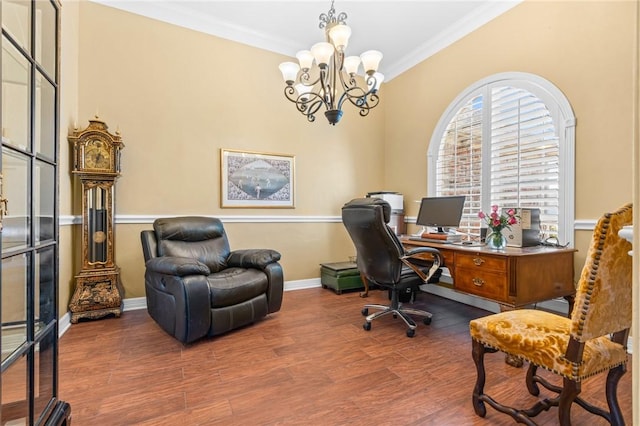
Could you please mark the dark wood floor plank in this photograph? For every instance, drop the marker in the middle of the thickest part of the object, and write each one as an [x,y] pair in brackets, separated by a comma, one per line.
[310,363]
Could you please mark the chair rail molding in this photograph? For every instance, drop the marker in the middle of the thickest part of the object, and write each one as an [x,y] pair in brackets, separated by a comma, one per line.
[66,220]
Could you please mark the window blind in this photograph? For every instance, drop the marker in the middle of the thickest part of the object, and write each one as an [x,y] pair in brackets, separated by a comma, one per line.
[506,134]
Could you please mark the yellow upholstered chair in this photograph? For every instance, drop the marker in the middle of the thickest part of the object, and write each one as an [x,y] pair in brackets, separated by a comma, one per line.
[593,340]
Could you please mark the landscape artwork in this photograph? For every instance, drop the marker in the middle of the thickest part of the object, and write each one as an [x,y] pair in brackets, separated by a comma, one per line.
[254,179]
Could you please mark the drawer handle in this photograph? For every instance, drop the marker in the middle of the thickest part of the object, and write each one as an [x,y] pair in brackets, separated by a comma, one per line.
[478,282]
[477,261]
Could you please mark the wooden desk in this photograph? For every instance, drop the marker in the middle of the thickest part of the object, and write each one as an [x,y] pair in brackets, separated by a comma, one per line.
[513,278]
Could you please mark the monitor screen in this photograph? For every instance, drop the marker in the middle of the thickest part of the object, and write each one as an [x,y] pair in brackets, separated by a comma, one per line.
[441,212]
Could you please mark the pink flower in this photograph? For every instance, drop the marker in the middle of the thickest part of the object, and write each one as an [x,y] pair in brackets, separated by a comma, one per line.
[496,221]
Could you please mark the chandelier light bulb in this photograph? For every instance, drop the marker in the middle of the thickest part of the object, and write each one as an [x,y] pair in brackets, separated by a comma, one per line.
[351,64]
[379,78]
[322,52]
[370,61]
[305,58]
[339,36]
[289,72]
[303,91]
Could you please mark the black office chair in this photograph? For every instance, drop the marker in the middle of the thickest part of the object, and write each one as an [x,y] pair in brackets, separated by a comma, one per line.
[382,260]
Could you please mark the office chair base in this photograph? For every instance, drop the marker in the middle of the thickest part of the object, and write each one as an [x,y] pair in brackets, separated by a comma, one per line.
[403,313]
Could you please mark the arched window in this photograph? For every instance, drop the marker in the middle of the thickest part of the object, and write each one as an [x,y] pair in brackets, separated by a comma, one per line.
[507,140]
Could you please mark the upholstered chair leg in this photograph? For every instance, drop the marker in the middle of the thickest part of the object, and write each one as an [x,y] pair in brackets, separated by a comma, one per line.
[477,353]
[614,376]
[570,391]
[532,386]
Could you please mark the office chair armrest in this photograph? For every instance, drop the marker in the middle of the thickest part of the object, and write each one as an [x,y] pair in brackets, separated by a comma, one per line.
[414,253]
[252,258]
[178,266]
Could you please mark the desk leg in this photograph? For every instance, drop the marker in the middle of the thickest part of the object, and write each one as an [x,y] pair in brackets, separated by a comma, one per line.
[366,286]
[571,299]
[513,361]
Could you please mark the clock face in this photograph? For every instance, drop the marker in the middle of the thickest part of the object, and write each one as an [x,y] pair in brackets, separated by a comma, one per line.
[97,155]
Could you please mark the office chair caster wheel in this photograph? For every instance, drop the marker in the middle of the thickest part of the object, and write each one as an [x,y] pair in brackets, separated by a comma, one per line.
[365,312]
[411,332]
[366,326]
[426,321]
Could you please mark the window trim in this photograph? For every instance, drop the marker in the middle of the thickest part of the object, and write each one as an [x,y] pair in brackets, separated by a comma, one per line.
[563,117]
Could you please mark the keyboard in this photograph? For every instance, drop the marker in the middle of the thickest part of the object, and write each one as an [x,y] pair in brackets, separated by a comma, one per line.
[429,240]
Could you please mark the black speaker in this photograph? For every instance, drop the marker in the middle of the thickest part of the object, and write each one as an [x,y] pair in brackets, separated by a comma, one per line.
[483,234]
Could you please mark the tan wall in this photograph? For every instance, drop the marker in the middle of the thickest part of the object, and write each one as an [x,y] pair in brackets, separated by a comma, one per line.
[585,48]
[178,96]
[69,59]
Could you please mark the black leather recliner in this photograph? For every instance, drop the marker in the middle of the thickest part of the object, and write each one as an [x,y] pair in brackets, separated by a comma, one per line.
[196,286]
[382,259]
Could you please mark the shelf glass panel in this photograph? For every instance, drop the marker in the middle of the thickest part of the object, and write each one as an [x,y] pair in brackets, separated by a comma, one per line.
[14,303]
[43,196]
[15,407]
[15,186]
[15,97]
[45,289]
[45,126]
[44,355]
[45,36]
[16,21]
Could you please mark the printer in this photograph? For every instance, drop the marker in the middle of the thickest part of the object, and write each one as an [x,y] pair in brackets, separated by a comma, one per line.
[396,201]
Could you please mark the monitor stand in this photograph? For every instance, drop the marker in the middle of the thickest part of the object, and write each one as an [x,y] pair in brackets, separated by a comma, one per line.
[440,230]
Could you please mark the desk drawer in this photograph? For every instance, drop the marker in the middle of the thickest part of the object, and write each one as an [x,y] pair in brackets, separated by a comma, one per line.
[482,282]
[446,255]
[481,261]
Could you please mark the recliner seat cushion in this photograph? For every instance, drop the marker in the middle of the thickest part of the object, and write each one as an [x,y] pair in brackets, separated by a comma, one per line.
[236,285]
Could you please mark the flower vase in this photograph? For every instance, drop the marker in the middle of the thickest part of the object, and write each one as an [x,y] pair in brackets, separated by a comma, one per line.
[496,241]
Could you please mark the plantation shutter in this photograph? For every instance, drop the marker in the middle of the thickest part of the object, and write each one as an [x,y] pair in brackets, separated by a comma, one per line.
[524,153]
[459,166]
[520,156]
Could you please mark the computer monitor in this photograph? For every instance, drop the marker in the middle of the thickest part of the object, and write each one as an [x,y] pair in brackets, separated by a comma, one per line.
[441,212]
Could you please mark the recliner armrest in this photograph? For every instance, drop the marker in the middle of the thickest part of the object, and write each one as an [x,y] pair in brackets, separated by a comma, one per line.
[252,258]
[179,266]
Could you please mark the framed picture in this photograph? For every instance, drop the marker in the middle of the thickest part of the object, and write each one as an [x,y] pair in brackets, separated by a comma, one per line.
[255,179]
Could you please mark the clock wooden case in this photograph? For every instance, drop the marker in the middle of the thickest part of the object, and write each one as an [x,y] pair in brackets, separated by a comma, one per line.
[96,163]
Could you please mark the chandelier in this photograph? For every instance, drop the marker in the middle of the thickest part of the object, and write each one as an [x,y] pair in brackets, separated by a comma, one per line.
[335,75]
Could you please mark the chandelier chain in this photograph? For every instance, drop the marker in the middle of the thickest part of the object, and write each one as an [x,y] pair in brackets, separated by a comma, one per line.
[334,80]
[327,20]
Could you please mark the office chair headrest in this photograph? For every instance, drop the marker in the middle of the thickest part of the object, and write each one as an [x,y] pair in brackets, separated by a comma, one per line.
[372,201]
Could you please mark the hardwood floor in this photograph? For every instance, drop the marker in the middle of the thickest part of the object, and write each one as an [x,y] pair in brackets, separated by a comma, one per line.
[310,363]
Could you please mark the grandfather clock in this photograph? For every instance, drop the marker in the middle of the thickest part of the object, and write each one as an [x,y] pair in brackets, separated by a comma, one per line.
[96,163]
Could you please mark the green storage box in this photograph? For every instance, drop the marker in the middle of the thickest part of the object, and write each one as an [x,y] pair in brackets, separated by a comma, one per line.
[340,276]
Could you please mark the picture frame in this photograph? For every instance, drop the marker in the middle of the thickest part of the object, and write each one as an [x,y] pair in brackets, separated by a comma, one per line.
[251,179]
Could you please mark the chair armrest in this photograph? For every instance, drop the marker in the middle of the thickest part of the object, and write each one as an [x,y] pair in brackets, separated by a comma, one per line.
[413,253]
[252,258]
[178,266]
